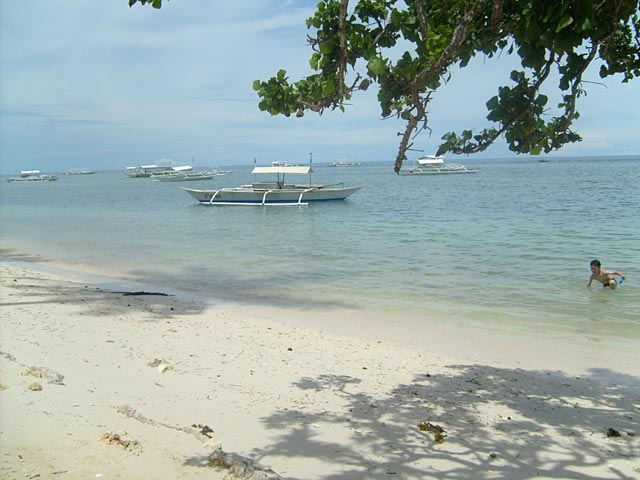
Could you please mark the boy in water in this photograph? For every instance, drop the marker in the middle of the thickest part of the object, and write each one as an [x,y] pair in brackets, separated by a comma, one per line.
[603,276]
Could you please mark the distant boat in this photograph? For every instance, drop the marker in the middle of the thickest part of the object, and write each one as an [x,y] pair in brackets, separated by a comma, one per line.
[344,164]
[32,176]
[79,171]
[144,170]
[280,163]
[275,192]
[435,165]
[185,174]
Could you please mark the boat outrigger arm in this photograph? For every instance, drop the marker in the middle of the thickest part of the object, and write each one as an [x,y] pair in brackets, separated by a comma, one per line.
[264,199]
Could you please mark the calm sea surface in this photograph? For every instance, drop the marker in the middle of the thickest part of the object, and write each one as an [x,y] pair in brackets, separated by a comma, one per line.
[507,248]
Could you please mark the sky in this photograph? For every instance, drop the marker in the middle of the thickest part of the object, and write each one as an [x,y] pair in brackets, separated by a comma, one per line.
[103,86]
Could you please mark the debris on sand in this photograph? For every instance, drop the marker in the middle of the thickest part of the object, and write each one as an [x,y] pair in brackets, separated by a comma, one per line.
[46,373]
[35,387]
[160,364]
[116,439]
[204,430]
[241,467]
[437,431]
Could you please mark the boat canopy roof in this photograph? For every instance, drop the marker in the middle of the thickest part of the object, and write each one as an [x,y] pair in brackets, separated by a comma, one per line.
[285,169]
[142,166]
[29,172]
[430,160]
[183,168]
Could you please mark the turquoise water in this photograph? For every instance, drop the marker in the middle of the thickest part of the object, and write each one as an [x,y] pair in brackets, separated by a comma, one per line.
[507,248]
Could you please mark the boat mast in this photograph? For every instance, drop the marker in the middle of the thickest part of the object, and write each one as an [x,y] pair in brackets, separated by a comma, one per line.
[310,165]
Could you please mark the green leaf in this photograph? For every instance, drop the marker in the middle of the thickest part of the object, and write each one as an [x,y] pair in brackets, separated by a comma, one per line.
[564,22]
[326,48]
[493,103]
[542,100]
[328,87]
[376,66]
[314,62]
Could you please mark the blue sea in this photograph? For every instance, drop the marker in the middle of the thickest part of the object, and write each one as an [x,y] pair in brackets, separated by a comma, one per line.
[506,249]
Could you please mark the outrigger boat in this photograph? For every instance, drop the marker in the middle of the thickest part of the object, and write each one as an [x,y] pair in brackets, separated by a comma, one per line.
[344,164]
[79,171]
[186,173]
[435,165]
[145,170]
[275,192]
[32,176]
[187,176]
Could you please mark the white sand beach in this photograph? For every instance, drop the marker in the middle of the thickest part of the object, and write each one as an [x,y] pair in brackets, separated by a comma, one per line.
[101,384]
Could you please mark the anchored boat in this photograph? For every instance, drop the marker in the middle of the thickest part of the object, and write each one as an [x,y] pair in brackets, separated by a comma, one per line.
[32,176]
[276,191]
[435,165]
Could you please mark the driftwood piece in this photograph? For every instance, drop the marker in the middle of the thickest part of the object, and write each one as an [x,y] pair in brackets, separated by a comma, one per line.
[240,467]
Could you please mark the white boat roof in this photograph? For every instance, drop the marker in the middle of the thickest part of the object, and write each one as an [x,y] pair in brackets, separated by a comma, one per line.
[286,169]
[430,160]
[29,172]
[184,168]
[142,166]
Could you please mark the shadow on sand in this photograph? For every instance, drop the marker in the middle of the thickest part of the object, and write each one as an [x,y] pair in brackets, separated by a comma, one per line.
[498,424]
[31,290]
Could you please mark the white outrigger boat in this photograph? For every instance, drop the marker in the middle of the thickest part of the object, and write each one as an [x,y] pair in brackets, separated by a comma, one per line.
[185,174]
[435,165]
[145,170]
[79,171]
[344,164]
[275,192]
[32,176]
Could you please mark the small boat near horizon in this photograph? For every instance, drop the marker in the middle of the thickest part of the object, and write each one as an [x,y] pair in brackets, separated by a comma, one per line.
[79,171]
[344,164]
[32,176]
[435,165]
[280,163]
[275,192]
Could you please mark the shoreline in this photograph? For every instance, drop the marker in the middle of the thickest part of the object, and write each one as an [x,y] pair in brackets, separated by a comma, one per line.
[142,376]
[458,341]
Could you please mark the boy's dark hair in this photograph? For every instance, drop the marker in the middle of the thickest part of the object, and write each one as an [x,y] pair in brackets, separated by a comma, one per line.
[596,263]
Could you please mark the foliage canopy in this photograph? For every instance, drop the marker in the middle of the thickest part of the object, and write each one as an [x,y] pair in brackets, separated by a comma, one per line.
[355,46]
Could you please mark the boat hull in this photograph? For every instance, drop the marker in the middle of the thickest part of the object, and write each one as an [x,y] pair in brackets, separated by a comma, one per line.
[182,178]
[39,178]
[436,172]
[250,196]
